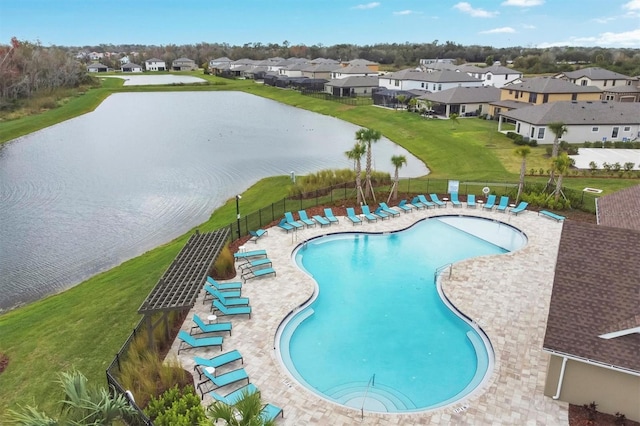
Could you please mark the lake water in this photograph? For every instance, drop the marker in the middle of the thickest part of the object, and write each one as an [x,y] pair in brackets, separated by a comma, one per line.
[87,194]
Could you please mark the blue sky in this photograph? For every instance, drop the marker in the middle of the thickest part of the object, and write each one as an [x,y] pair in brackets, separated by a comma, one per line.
[499,23]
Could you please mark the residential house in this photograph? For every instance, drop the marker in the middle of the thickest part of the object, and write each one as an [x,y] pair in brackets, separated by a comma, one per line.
[435,81]
[628,93]
[498,76]
[130,67]
[96,56]
[464,101]
[431,61]
[97,67]
[184,64]
[542,90]
[320,70]
[594,76]
[356,85]
[585,121]
[155,64]
[293,70]
[593,325]
[352,71]
[373,66]
[124,60]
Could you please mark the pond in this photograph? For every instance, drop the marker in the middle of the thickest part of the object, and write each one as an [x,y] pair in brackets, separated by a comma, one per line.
[87,194]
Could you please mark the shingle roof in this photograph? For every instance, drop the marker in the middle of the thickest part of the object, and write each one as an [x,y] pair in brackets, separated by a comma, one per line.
[361,62]
[355,69]
[551,85]
[622,89]
[443,76]
[322,67]
[571,112]
[620,209]
[461,95]
[595,73]
[595,289]
[500,70]
[221,59]
[355,81]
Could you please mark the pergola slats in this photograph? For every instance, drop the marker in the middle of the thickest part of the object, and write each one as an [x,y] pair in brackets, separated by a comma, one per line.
[181,283]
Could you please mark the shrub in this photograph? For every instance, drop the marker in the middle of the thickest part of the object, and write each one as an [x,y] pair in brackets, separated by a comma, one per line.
[519,140]
[533,142]
[616,167]
[593,166]
[572,150]
[541,171]
[620,144]
[224,266]
[549,150]
[608,144]
[629,166]
[177,407]
[597,144]
[564,145]
[592,410]
[587,144]
[512,135]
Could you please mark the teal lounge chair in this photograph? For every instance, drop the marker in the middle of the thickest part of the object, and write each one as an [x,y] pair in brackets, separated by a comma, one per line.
[454,199]
[382,214]
[231,300]
[231,310]
[504,203]
[305,219]
[385,208]
[351,215]
[471,201]
[216,361]
[255,235]
[255,264]
[519,208]
[210,328]
[235,396]
[418,204]
[191,342]
[214,382]
[284,225]
[321,220]
[367,214]
[269,412]
[404,206]
[328,213]
[291,221]
[426,202]
[552,215]
[212,293]
[247,254]
[255,273]
[224,286]
[436,200]
[491,202]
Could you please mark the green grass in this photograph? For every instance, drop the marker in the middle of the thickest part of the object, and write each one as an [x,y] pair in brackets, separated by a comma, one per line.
[85,326]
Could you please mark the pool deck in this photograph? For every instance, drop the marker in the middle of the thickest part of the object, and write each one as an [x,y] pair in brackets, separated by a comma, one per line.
[507,295]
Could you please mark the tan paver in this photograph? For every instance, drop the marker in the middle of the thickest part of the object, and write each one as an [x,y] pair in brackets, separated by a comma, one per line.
[507,295]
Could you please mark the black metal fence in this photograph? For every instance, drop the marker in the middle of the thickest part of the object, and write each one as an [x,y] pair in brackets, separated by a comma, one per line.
[347,100]
[345,194]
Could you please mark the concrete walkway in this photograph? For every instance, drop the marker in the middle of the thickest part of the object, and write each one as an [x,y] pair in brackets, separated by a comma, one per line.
[507,295]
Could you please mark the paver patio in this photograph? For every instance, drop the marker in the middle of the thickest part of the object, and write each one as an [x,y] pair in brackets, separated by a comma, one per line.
[507,295]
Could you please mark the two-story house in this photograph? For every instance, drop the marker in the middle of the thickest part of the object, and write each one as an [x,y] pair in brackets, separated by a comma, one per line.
[410,79]
[155,64]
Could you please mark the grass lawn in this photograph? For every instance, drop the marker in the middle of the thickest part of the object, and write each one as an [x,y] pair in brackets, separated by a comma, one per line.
[85,326]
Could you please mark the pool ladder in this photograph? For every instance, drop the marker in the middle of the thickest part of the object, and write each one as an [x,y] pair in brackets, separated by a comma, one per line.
[370,384]
[442,268]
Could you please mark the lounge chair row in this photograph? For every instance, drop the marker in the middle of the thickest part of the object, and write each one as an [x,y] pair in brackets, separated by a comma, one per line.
[289,223]
[214,381]
[254,264]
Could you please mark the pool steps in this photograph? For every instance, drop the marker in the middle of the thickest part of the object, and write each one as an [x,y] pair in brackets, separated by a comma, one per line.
[390,398]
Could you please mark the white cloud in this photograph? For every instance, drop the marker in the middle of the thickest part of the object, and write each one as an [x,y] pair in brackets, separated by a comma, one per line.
[529,27]
[404,12]
[476,13]
[603,20]
[632,5]
[608,39]
[523,3]
[499,30]
[367,6]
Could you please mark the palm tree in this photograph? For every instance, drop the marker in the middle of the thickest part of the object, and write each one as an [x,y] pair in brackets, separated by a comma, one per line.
[397,161]
[522,152]
[401,99]
[245,412]
[559,129]
[368,137]
[356,154]
[82,405]
[454,120]
[561,164]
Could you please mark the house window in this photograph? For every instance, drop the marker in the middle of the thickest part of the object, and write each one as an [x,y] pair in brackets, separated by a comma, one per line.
[434,87]
[521,94]
[463,109]
[439,86]
[488,76]
[574,96]
[594,129]
[605,84]
[628,82]
[518,127]
[627,128]
[533,98]
[422,85]
[545,98]
[613,82]
[506,76]
[614,132]
[608,98]
[533,131]
[541,133]
[397,82]
[583,83]
[365,91]
[510,92]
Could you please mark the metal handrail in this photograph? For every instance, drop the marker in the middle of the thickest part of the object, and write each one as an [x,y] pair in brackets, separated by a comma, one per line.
[442,268]
[371,383]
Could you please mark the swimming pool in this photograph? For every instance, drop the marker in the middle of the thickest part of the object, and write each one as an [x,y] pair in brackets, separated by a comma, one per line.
[376,335]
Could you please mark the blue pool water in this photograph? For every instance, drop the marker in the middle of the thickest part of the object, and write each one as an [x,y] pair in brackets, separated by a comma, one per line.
[377,312]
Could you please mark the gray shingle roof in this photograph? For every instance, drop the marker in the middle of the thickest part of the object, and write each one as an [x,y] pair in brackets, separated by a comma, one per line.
[355,81]
[323,67]
[355,69]
[595,73]
[568,112]
[595,290]
[361,62]
[500,70]
[443,76]
[622,89]
[551,85]
[620,209]
[462,95]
